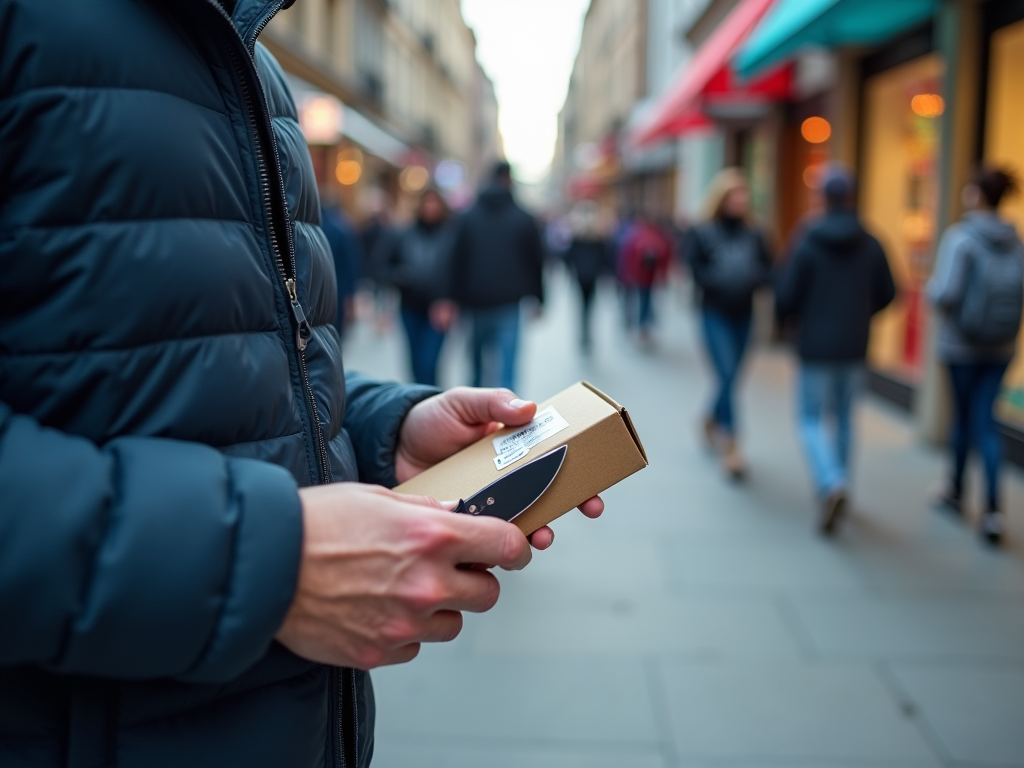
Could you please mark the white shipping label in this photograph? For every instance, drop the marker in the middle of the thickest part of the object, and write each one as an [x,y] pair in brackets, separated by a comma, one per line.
[513,446]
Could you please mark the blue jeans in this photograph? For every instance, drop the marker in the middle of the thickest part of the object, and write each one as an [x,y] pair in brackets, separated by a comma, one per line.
[826,393]
[726,339]
[975,389]
[494,344]
[425,343]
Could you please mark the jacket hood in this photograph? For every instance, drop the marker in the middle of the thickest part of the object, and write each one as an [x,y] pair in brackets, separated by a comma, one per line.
[838,231]
[495,196]
[996,233]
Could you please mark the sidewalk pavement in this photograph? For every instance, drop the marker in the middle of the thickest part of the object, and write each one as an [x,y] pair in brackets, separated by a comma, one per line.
[700,624]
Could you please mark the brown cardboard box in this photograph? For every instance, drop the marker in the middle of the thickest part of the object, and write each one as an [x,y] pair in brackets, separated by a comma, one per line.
[603,449]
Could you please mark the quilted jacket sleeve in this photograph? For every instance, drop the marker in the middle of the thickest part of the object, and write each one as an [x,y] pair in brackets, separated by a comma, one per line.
[147,558]
[374,414]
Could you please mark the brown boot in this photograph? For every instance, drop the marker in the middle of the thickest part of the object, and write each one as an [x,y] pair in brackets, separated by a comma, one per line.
[732,461]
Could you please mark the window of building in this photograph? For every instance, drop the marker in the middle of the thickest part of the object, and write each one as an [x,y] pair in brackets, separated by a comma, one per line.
[899,200]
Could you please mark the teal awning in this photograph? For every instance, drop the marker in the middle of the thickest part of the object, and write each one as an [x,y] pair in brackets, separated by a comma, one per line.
[793,24]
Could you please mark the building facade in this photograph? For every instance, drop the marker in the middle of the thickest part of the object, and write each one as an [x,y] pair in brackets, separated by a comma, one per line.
[406,89]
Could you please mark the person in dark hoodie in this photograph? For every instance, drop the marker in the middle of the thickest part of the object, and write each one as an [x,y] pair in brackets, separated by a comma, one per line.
[497,260]
[836,279]
[589,257]
[978,290]
[416,260]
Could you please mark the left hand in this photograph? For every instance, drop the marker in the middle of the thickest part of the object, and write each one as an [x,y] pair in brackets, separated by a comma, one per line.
[441,426]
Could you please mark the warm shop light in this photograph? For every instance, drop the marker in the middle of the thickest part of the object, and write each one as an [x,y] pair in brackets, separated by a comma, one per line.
[348,172]
[320,119]
[350,166]
[413,178]
[928,105]
[815,130]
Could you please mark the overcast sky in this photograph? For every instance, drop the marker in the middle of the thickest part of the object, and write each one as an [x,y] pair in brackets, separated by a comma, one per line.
[527,47]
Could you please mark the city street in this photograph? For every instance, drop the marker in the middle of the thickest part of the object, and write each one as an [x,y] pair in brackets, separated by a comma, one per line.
[702,624]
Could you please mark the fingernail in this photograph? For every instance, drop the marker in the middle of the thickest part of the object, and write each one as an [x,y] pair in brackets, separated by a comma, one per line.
[451,504]
[517,403]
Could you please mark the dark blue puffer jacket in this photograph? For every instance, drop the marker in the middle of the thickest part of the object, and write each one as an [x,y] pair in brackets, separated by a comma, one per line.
[157,408]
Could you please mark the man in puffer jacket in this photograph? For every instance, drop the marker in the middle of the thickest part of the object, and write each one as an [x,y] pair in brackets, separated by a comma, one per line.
[173,592]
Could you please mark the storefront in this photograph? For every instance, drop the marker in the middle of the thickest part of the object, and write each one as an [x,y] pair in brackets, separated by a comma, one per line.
[1003,144]
[901,109]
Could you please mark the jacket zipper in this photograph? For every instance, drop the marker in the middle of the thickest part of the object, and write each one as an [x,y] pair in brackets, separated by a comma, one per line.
[347,742]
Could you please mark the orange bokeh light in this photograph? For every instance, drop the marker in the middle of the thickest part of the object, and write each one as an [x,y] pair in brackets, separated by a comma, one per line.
[928,105]
[815,130]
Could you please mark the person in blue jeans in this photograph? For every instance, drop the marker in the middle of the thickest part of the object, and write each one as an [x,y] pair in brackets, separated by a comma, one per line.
[977,289]
[729,260]
[497,261]
[835,280]
[417,261]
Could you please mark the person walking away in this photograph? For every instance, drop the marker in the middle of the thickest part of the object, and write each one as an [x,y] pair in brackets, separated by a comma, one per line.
[199,555]
[977,290]
[647,252]
[417,261]
[589,257]
[497,261]
[836,279]
[729,260]
[346,250]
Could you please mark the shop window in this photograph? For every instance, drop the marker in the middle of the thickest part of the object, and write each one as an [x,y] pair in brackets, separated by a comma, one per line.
[1005,147]
[899,199]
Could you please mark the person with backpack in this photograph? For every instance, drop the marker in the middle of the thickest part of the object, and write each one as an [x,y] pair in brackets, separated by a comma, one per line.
[417,261]
[836,279]
[977,290]
[729,260]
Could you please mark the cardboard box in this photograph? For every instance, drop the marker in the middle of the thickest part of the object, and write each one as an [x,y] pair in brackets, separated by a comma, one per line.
[603,449]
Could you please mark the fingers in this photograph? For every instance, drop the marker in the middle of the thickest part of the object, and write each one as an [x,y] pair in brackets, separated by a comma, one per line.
[542,538]
[471,590]
[490,541]
[441,627]
[402,655]
[482,406]
[592,507]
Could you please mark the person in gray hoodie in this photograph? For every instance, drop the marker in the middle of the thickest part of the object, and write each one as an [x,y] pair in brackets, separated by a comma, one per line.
[977,290]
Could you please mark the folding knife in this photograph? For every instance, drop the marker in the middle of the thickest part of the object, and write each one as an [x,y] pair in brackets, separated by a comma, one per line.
[514,493]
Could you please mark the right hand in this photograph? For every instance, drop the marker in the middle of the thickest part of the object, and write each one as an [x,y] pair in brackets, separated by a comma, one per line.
[380,574]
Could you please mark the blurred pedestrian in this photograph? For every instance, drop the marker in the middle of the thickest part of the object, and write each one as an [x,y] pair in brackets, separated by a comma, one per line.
[729,259]
[497,261]
[346,250]
[589,257]
[978,291]
[646,254]
[417,261]
[836,278]
[376,225]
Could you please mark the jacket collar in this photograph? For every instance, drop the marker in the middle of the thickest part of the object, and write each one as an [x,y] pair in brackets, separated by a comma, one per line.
[251,16]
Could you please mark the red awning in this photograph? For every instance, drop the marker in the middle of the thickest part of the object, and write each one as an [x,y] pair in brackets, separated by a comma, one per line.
[708,75]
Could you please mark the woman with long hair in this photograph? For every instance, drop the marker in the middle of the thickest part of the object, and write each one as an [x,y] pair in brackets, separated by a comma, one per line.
[417,261]
[729,260]
[978,291]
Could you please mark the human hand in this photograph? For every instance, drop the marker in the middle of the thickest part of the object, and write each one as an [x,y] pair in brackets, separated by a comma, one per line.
[441,426]
[380,574]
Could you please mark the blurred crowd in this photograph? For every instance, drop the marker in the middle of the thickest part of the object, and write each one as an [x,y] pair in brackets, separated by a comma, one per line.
[487,265]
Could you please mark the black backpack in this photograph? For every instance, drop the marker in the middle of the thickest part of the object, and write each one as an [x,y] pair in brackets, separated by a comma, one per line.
[991,310]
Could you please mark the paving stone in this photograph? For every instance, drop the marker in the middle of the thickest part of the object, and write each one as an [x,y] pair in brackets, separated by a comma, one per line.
[789,712]
[908,628]
[586,702]
[977,712]
[403,755]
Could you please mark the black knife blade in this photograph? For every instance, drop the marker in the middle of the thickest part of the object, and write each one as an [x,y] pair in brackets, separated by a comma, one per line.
[511,495]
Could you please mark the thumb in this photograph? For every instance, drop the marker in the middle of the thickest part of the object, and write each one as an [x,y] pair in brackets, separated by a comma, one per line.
[481,406]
